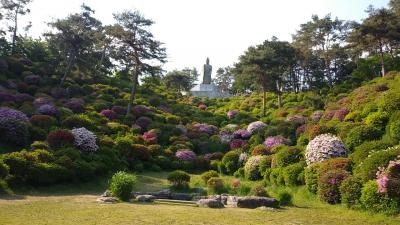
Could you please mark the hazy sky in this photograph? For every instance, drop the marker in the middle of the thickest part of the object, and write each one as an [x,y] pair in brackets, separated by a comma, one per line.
[219,29]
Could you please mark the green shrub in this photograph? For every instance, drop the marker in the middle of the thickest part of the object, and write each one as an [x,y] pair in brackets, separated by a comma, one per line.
[121,185]
[39,145]
[4,170]
[239,173]
[328,185]
[46,173]
[288,156]
[275,177]
[334,164]
[374,201]
[259,190]
[265,164]
[215,185]
[4,189]
[390,102]
[43,121]
[284,198]
[84,171]
[229,163]
[367,169]
[362,151]
[360,134]
[77,121]
[294,174]
[377,120]
[163,162]
[207,175]
[311,177]
[252,167]
[350,191]
[179,179]
[394,130]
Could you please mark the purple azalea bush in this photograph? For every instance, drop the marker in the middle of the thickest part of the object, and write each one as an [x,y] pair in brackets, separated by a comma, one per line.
[12,114]
[237,143]
[111,115]
[231,114]
[48,109]
[6,97]
[75,105]
[205,128]
[149,136]
[185,155]
[84,140]
[323,147]
[20,98]
[254,126]
[273,141]
[243,134]
[143,122]
[13,126]
[141,110]
[120,110]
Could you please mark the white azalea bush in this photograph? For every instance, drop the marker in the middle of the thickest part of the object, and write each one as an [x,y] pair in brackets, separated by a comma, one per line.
[254,126]
[251,168]
[85,140]
[323,147]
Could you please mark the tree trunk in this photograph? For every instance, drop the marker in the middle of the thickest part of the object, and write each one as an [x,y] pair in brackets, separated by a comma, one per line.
[67,69]
[14,38]
[382,60]
[264,106]
[133,91]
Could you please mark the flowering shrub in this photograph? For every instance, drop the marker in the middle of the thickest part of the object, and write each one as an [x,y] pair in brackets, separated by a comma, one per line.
[226,138]
[328,185]
[185,155]
[59,138]
[76,105]
[242,158]
[251,168]
[42,101]
[340,114]
[43,121]
[388,179]
[324,146]
[140,110]
[299,119]
[273,141]
[120,110]
[301,129]
[205,128]
[202,106]
[316,116]
[85,140]
[254,126]
[237,143]
[48,109]
[231,114]
[111,115]
[150,137]
[243,134]
[260,150]
[12,114]
[143,122]
[21,98]
[329,115]
[5,97]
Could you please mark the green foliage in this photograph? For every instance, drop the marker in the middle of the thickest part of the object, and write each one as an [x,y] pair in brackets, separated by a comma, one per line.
[4,189]
[350,191]
[374,201]
[287,156]
[259,190]
[179,179]
[215,185]
[360,134]
[311,177]
[377,120]
[362,151]
[121,185]
[390,102]
[207,175]
[284,197]
[276,177]
[394,131]
[294,174]
[229,163]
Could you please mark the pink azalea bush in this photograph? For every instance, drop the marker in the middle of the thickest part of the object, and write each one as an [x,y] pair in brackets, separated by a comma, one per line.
[243,134]
[237,143]
[388,179]
[231,114]
[202,106]
[84,140]
[254,126]
[185,155]
[273,141]
[323,147]
[150,137]
[141,110]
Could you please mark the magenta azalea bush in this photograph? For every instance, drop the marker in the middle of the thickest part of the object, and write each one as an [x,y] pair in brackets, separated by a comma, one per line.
[340,114]
[323,147]
[388,179]
[273,141]
[84,140]
[237,143]
[185,155]
[243,134]
[48,109]
[12,114]
[231,114]
[254,126]
[149,136]
[111,115]
[140,110]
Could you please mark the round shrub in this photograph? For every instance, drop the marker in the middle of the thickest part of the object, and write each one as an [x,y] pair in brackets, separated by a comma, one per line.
[271,142]
[394,130]
[252,166]
[260,150]
[324,147]
[4,170]
[284,198]
[48,109]
[215,185]
[275,176]
[259,190]
[14,131]
[75,105]
[185,155]
[374,201]
[350,191]
[377,120]
[12,114]
[311,177]
[75,121]
[143,122]
[360,134]
[109,114]
[141,110]
[230,162]
[43,121]
[390,102]
[389,179]
[328,185]
[207,175]
[243,134]
[60,138]
[120,110]
[293,174]
[362,151]
[255,126]
[84,140]
[237,143]
[141,152]
[179,179]
[320,129]
[287,156]
[121,185]
[46,173]
[231,114]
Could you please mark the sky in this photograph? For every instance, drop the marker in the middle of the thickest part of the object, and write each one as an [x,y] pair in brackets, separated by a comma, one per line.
[219,29]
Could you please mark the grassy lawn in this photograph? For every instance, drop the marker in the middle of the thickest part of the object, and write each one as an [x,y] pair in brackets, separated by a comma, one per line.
[65,204]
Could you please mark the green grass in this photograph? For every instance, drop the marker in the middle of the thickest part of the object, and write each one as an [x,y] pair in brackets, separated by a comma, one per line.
[76,204]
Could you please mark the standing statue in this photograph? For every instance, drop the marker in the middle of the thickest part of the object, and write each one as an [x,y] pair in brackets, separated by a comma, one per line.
[207,69]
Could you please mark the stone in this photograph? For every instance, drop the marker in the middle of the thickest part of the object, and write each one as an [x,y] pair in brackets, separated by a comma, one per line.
[207,70]
[255,202]
[107,193]
[145,198]
[181,196]
[263,208]
[107,200]
[232,201]
[210,203]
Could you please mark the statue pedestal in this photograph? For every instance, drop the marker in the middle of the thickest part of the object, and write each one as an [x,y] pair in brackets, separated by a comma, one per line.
[209,91]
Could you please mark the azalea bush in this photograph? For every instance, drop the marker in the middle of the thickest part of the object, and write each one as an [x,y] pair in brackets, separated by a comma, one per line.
[185,155]
[324,147]
[255,126]
[60,138]
[388,179]
[48,109]
[237,143]
[14,127]
[109,114]
[328,185]
[84,139]
[273,141]
[243,134]
[231,114]
[251,167]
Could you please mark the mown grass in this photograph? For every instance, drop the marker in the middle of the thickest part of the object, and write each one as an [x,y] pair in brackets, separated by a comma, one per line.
[69,204]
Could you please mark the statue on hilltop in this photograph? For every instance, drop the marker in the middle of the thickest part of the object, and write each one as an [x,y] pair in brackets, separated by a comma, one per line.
[207,69]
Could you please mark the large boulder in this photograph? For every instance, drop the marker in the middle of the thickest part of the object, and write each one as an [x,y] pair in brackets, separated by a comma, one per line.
[210,203]
[181,196]
[145,198]
[107,200]
[232,201]
[255,202]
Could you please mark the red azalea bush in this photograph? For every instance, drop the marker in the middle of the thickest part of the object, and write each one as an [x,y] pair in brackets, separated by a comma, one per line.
[60,138]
